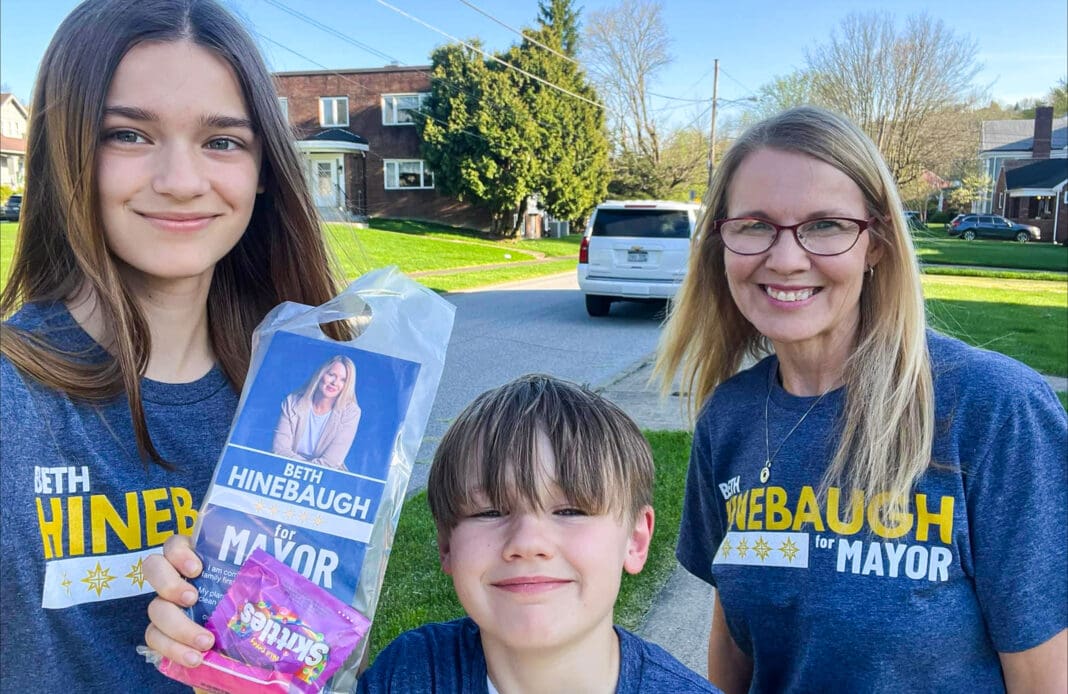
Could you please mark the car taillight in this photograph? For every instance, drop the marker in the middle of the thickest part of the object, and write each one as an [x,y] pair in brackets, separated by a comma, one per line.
[584,250]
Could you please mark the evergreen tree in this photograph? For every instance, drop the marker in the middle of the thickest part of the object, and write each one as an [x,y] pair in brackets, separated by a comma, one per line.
[573,142]
[494,136]
[562,17]
[478,135]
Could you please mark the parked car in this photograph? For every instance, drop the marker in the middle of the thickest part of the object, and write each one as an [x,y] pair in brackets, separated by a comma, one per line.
[954,223]
[11,209]
[633,251]
[973,226]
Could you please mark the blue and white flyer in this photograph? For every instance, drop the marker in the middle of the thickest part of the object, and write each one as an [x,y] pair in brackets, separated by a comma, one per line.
[303,473]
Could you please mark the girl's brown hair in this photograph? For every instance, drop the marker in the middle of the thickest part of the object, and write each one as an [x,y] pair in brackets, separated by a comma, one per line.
[61,248]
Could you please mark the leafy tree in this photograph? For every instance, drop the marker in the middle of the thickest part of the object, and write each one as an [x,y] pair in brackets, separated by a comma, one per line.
[1058,97]
[783,92]
[973,186]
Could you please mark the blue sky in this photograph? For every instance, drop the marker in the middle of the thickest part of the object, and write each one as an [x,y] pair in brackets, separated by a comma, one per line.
[754,41]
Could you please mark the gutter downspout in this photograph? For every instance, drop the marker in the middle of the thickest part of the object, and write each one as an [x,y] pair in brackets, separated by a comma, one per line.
[1057,214]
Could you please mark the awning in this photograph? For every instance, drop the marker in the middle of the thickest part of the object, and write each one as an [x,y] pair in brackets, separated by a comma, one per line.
[333,140]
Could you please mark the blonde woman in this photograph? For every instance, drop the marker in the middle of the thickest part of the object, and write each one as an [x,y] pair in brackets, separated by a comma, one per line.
[878,506]
[319,421]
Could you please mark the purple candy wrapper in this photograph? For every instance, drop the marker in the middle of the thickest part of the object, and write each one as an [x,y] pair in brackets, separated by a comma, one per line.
[274,619]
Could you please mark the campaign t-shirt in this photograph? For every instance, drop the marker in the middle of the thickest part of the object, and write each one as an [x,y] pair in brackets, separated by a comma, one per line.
[81,511]
[448,658]
[830,594]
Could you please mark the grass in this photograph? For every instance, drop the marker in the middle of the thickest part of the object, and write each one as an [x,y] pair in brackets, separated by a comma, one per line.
[953,271]
[360,250]
[1064,399]
[416,592]
[563,247]
[936,247]
[1025,319]
[419,247]
[484,278]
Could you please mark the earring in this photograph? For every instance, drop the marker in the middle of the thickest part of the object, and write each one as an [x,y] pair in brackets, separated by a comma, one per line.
[871,271]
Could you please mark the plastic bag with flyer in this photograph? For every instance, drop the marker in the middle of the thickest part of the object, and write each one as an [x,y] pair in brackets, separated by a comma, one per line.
[319,456]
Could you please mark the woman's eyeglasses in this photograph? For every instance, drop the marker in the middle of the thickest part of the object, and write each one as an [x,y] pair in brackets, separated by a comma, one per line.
[825,236]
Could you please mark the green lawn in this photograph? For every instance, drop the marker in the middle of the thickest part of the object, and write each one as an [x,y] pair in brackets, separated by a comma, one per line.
[360,250]
[416,592]
[567,246]
[416,247]
[936,247]
[1027,320]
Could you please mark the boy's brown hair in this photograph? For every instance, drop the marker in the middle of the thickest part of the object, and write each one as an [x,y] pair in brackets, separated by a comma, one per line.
[603,463]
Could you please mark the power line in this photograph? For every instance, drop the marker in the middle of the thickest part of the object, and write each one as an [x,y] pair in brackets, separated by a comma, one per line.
[478,50]
[732,78]
[332,31]
[678,98]
[517,31]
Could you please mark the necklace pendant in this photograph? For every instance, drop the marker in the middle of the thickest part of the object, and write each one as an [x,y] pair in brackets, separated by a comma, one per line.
[765,473]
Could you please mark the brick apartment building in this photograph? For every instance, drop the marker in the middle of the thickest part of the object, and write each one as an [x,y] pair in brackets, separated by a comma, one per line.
[354,129]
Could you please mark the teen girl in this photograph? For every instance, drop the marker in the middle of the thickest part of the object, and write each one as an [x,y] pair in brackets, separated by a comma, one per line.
[165,213]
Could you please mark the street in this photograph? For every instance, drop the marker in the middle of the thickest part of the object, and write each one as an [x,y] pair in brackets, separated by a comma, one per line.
[535,326]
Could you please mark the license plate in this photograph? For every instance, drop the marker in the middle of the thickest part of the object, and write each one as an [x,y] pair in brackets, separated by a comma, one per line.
[637,256]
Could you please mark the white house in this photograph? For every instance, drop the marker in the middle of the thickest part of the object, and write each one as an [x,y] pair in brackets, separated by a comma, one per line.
[13,119]
[1004,141]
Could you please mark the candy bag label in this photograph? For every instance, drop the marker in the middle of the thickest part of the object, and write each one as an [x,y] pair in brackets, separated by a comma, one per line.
[274,631]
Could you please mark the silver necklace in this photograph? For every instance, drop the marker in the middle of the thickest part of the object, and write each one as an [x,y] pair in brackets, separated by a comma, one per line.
[765,472]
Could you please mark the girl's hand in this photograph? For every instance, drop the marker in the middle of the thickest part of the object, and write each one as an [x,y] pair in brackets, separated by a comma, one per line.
[171,633]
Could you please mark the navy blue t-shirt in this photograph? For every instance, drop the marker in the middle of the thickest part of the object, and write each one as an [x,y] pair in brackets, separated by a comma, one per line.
[832,596]
[448,658]
[81,511]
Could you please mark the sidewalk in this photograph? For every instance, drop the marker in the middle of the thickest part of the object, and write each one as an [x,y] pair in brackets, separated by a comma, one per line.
[681,616]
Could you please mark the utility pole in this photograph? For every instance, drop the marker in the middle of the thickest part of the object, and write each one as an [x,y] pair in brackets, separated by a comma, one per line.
[712,126]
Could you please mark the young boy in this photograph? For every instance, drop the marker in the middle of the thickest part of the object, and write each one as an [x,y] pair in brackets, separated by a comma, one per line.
[541,492]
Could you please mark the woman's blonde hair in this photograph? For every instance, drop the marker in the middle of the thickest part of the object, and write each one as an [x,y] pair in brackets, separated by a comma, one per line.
[346,397]
[888,420]
[61,247]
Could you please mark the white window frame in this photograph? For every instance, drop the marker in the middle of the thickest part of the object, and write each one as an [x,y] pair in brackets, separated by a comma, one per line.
[339,108]
[426,176]
[283,103]
[390,112]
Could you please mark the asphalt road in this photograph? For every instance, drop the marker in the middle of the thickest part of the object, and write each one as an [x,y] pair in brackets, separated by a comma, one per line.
[534,326]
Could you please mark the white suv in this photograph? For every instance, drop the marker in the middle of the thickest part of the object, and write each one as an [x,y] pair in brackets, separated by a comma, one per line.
[634,250]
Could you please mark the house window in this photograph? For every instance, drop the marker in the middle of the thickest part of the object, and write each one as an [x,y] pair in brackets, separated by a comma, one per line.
[333,111]
[283,104]
[407,173]
[397,108]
